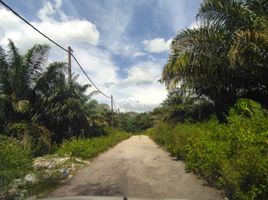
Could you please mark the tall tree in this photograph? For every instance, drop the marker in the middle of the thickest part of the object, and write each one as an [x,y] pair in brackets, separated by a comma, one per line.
[225,57]
[34,92]
[18,75]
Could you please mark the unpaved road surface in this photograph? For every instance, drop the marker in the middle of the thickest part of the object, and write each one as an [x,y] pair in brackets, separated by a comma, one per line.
[137,167]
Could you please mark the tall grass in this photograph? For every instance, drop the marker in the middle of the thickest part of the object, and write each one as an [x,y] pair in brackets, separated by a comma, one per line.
[15,160]
[89,147]
[232,156]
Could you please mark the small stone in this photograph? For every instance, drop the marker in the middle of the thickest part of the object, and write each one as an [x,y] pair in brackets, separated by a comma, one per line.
[73,167]
[70,176]
[50,166]
[64,173]
[78,160]
[23,193]
[30,178]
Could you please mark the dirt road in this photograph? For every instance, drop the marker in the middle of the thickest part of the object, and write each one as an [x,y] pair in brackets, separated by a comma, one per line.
[137,167]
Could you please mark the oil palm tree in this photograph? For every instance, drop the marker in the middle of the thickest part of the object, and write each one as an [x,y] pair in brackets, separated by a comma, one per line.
[61,106]
[32,91]
[18,75]
[247,24]
[200,63]
[213,59]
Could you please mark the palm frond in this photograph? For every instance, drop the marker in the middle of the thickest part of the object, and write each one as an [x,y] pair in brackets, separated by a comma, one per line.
[91,94]
[21,106]
[229,13]
[35,59]
[52,78]
[5,82]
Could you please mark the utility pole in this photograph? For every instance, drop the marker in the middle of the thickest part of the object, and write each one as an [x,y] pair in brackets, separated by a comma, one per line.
[70,65]
[112,110]
[119,118]
[69,76]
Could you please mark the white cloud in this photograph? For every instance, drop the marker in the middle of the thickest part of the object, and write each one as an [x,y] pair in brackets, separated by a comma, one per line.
[143,73]
[113,23]
[129,50]
[98,64]
[157,45]
[139,91]
[64,32]
[48,10]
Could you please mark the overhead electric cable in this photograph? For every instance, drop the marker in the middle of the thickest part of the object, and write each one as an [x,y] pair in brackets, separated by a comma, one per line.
[115,107]
[58,45]
[88,77]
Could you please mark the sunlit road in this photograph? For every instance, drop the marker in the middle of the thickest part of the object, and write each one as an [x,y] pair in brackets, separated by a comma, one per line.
[137,167]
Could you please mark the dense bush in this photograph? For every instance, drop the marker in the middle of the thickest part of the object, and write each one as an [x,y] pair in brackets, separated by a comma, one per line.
[15,160]
[37,137]
[231,156]
[90,147]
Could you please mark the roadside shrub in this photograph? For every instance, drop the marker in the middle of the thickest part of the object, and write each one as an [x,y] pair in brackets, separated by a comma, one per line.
[231,156]
[166,135]
[247,108]
[33,135]
[15,160]
[89,147]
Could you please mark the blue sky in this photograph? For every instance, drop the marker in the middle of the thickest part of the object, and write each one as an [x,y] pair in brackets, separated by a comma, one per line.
[122,44]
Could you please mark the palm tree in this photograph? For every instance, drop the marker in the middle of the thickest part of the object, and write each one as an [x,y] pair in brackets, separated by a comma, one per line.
[208,59]
[61,106]
[18,75]
[247,25]
[31,91]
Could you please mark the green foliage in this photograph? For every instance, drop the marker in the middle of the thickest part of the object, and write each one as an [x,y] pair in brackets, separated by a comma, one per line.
[36,137]
[231,156]
[184,105]
[142,121]
[247,108]
[225,58]
[89,147]
[33,92]
[99,116]
[166,135]
[15,160]
[60,107]
[126,121]
[134,122]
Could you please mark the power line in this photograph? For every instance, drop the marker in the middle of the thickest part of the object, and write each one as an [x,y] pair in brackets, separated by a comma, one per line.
[23,19]
[116,107]
[58,45]
[88,76]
